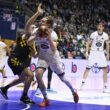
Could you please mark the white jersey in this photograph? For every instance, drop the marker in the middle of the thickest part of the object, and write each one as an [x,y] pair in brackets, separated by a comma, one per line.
[2,49]
[98,41]
[44,44]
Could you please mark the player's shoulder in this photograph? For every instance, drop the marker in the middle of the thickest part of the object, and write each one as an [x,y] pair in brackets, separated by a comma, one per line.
[105,34]
[94,33]
[52,31]
[53,35]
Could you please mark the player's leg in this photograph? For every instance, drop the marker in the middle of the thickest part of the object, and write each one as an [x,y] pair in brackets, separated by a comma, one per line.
[74,92]
[38,91]
[56,66]
[90,63]
[3,90]
[4,73]
[105,80]
[103,64]
[2,65]
[49,78]
[39,74]
[84,77]
[28,77]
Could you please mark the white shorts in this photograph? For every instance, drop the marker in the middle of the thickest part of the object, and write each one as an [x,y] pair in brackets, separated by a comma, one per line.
[2,63]
[98,58]
[53,61]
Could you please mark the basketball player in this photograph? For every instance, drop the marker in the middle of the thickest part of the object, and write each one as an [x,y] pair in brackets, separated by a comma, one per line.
[19,60]
[3,50]
[50,72]
[49,56]
[97,38]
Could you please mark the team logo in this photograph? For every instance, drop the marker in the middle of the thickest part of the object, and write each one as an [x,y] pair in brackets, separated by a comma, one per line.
[74,68]
[95,68]
[33,67]
[98,44]
[44,46]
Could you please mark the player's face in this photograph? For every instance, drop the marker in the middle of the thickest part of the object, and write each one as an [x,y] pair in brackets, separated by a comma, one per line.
[43,21]
[100,27]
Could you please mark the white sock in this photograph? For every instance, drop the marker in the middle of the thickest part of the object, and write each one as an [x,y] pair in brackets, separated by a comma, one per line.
[83,80]
[105,84]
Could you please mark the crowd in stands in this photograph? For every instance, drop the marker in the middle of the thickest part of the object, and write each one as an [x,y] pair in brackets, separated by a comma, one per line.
[74,21]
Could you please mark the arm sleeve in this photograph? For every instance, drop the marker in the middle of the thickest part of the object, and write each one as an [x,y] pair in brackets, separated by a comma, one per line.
[92,36]
[34,32]
[54,36]
[106,37]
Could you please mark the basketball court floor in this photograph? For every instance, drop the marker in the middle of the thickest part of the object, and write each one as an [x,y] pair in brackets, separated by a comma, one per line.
[90,98]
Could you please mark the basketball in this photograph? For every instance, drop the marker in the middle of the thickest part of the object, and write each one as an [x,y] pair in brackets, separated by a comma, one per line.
[42,31]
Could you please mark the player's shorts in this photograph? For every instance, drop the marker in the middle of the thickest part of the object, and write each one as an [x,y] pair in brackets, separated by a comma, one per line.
[52,60]
[2,63]
[16,65]
[98,58]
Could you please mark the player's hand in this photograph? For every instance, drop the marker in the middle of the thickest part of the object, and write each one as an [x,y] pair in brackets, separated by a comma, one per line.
[107,57]
[39,8]
[48,33]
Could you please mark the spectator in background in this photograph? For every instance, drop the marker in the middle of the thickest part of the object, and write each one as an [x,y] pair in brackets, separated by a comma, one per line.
[12,46]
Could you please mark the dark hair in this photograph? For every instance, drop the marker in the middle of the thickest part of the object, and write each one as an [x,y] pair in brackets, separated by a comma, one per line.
[50,20]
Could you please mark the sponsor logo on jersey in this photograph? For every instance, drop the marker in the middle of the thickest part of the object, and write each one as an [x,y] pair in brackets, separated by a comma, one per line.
[98,44]
[44,46]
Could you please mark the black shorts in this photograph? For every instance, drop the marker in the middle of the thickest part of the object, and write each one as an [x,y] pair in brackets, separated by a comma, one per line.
[16,65]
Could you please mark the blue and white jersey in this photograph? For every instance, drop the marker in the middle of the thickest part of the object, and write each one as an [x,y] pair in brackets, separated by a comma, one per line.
[44,44]
[98,40]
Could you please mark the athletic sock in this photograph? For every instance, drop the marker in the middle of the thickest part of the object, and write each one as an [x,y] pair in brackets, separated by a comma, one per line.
[44,94]
[24,94]
[83,81]
[7,87]
[48,85]
[105,84]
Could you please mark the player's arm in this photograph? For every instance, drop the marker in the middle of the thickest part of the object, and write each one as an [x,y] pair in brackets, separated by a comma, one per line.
[35,52]
[107,48]
[87,47]
[53,44]
[32,19]
[31,40]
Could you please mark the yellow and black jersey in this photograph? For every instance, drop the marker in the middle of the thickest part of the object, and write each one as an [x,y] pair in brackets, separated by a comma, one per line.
[22,51]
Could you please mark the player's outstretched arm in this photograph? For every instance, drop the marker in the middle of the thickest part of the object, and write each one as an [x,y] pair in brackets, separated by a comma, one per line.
[33,18]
